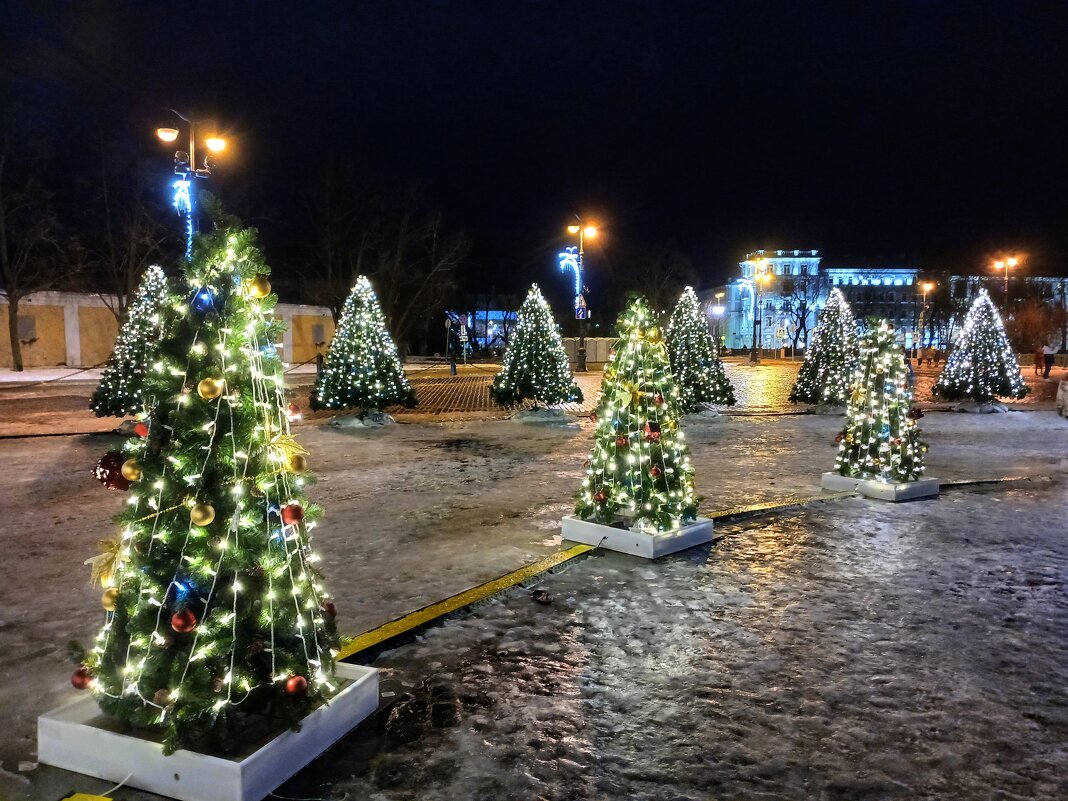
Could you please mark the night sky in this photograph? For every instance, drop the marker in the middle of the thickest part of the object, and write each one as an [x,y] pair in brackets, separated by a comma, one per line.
[925,133]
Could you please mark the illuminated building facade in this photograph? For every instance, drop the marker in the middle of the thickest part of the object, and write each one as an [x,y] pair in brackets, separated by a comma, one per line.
[789,287]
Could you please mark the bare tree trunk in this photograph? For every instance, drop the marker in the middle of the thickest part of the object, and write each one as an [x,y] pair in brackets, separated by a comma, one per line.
[13,331]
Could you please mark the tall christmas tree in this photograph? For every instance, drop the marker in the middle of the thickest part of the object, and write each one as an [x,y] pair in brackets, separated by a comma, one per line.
[831,359]
[362,367]
[694,355]
[983,364]
[639,469]
[535,365]
[880,439]
[119,392]
[214,607]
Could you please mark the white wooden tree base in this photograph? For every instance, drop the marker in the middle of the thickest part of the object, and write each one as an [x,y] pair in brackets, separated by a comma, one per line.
[881,490]
[70,737]
[635,542]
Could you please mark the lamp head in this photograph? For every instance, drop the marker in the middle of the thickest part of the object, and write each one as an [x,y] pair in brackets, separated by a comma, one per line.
[167,134]
[216,144]
[573,229]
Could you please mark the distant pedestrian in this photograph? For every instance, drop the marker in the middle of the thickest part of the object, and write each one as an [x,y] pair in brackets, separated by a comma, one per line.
[1047,357]
[1040,359]
[911,373]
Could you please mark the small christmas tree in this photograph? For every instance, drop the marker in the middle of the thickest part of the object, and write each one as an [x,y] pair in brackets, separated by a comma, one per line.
[119,392]
[535,365]
[831,358]
[983,364]
[880,439]
[694,355]
[639,469]
[362,367]
[214,608]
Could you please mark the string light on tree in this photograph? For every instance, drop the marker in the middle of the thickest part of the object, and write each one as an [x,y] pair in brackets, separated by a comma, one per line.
[639,469]
[880,440]
[983,364]
[213,607]
[536,365]
[120,391]
[362,368]
[695,359]
[830,362]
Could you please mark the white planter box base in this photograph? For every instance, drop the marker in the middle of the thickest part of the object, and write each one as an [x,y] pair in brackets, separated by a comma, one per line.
[635,542]
[881,490]
[70,737]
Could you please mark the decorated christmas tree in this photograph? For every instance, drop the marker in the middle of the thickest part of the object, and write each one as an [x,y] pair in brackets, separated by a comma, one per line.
[695,361]
[214,611]
[362,367]
[535,365]
[983,364]
[639,469]
[880,439]
[831,358]
[119,392]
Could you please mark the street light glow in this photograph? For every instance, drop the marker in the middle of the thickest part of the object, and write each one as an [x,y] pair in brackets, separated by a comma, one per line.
[927,286]
[1012,262]
[590,231]
[167,134]
[573,229]
[215,144]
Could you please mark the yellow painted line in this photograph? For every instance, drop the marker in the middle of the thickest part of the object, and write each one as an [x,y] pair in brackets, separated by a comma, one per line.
[420,617]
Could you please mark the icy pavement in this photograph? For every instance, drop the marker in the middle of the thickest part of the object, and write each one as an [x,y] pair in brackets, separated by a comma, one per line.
[865,651]
[417,512]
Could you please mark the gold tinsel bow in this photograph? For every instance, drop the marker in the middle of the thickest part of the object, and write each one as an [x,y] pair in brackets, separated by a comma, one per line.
[285,447]
[105,565]
[630,393]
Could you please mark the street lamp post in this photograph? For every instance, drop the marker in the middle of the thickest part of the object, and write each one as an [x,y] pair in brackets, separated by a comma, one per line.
[568,261]
[185,166]
[1006,265]
[926,286]
[759,276]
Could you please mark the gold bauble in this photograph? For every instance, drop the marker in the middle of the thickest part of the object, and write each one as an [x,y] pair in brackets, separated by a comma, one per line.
[110,599]
[210,388]
[202,514]
[131,470]
[259,287]
[298,463]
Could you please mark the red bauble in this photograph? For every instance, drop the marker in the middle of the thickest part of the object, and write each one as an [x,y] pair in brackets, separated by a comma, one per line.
[292,513]
[837,437]
[658,400]
[599,496]
[897,441]
[81,678]
[621,442]
[108,471]
[296,685]
[183,622]
[141,430]
[328,610]
[655,471]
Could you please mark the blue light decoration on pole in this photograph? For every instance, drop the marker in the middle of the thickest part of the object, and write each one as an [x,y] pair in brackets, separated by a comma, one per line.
[184,200]
[571,260]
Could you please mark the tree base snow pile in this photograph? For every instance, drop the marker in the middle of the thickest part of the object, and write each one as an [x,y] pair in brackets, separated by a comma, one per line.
[368,420]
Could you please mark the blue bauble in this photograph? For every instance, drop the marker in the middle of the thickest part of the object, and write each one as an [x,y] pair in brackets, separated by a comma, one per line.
[204,300]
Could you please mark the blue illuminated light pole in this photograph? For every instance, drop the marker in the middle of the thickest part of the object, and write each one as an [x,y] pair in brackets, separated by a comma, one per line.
[185,167]
[570,260]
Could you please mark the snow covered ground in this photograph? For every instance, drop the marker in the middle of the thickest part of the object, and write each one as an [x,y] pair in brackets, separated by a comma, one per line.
[416,512]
